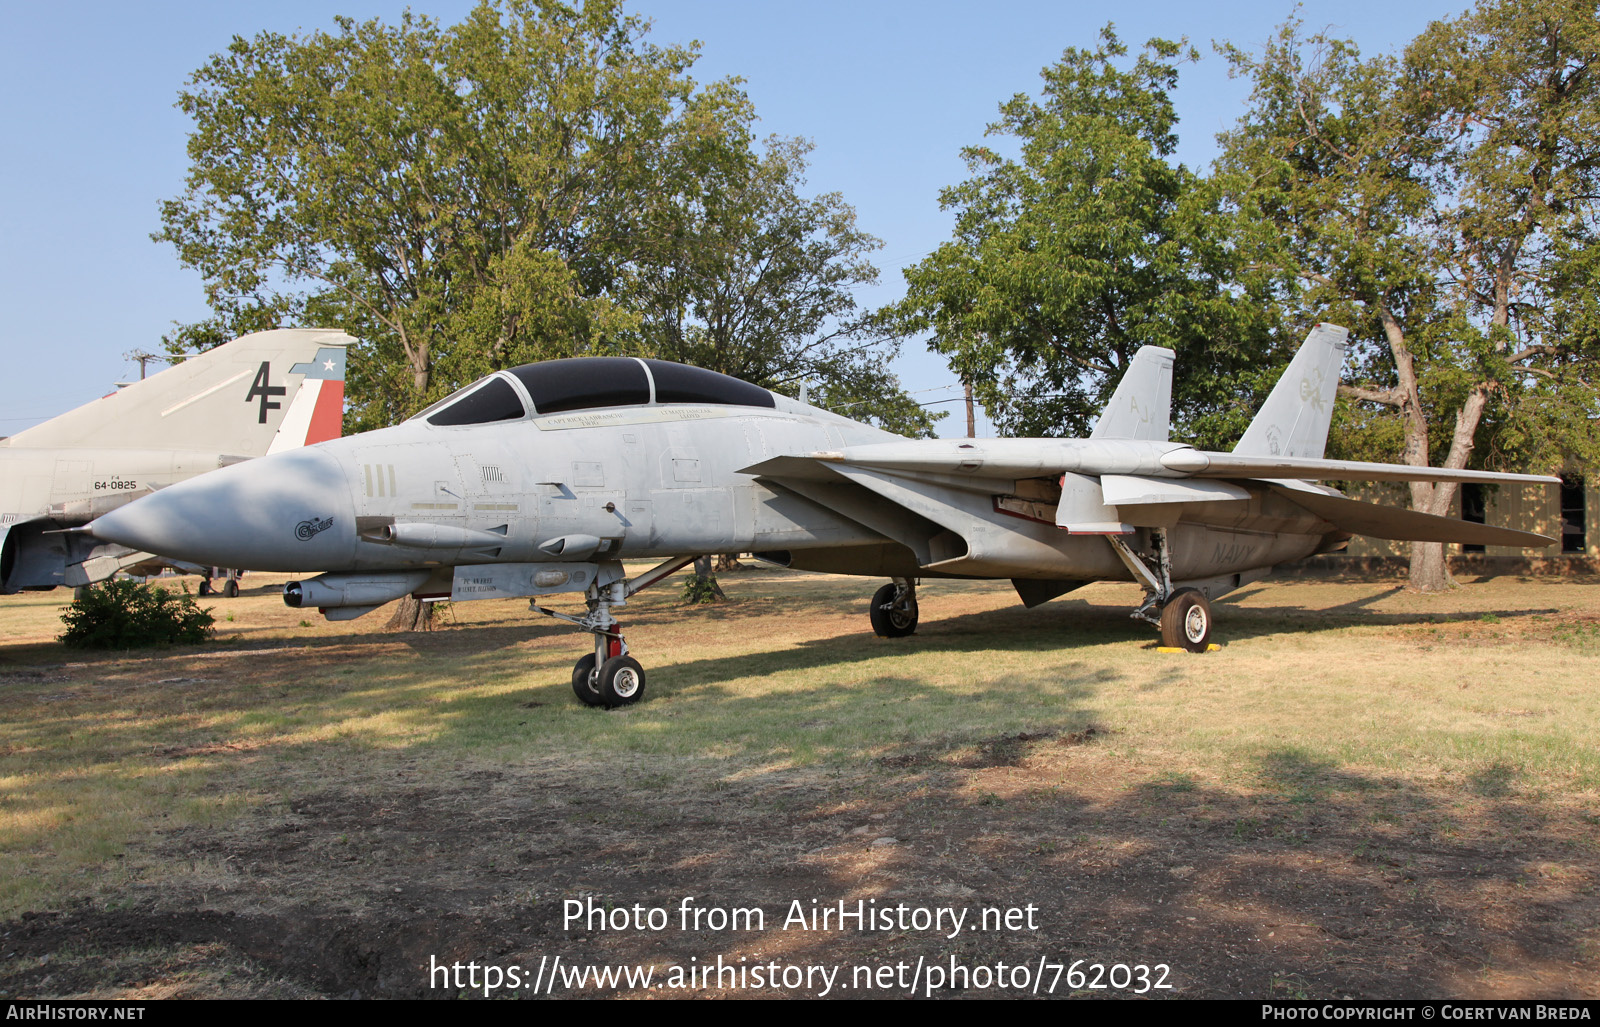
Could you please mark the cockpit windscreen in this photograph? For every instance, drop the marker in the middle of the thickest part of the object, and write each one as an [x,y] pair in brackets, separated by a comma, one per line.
[493,400]
[592,383]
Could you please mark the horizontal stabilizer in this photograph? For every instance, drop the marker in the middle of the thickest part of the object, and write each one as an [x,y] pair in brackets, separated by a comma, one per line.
[102,562]
[1398,525]
[1142,405]
[1199,464]
[1083,510]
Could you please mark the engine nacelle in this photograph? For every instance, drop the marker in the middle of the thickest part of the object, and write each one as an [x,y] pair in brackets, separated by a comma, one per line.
[353,589]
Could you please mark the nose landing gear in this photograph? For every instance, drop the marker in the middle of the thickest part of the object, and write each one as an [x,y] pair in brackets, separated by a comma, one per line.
[609,677]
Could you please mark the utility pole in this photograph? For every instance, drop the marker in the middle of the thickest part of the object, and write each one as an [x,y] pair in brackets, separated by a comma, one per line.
[143,358]
[972,426]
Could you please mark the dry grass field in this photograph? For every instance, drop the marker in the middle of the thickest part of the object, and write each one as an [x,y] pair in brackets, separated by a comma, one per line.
[1365,793]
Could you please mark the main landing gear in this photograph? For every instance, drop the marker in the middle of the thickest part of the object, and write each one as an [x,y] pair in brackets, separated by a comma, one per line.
[894,609]
[609,677]
[230,583]
[1183,615]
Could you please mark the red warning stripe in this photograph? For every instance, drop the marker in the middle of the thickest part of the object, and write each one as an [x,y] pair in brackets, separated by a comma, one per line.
[327,417]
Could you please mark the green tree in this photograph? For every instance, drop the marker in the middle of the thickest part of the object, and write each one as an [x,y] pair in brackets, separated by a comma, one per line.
[1515,85]
[1086,245]
[538,181]
[1435,204]
[126,614]
[390,178]
[757,281]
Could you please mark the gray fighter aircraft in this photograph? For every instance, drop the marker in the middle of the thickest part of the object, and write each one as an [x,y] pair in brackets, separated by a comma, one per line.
[544,478]
[263,393]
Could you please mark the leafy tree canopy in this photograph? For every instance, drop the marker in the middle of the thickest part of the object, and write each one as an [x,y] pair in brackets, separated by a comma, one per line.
[1442,204]
[538,181]
[1084,246]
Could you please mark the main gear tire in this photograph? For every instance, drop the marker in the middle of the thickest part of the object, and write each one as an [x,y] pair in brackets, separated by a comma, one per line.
[1186,621]
[889,619]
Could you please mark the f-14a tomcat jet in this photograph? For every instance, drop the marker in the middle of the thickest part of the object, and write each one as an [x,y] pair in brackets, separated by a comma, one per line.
[544,478]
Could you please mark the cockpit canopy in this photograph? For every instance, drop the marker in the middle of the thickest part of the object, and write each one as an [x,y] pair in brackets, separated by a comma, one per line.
[588,383]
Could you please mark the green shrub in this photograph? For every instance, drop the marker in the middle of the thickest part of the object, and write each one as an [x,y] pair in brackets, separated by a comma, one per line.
[127,614]
[701,590]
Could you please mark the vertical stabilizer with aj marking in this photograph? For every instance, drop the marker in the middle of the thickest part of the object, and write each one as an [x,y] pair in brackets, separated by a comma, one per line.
[1294,420]
[1141,408]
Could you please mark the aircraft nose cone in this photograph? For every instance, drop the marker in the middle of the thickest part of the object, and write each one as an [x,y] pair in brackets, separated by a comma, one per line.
[286,512]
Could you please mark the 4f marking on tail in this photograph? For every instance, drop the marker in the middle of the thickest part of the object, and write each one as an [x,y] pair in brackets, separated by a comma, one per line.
[263,389]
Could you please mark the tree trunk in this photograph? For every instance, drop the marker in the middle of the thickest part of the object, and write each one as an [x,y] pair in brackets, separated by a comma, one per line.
[727,562]
[411,614]
[705,579]
[1429,570]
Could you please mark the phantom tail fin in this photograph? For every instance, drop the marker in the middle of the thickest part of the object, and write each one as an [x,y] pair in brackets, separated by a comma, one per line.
[257,394]
[1142,405]
[1294,420]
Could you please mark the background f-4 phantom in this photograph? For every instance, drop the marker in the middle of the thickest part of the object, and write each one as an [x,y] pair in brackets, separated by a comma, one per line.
[544,478]
[263,393]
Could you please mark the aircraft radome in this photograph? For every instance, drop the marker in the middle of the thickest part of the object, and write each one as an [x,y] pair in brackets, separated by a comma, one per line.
[544,478]
[263,393]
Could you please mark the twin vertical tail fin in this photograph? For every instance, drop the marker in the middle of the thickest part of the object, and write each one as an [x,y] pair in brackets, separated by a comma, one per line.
[261,393]
[1141,408]
[1294,420]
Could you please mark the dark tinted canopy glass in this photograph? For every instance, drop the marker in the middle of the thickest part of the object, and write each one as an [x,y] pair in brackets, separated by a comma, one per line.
[680,383]
[580,383]
[584,383]
[494,401]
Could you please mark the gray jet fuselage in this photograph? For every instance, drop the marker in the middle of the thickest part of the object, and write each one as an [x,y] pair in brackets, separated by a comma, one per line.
[544,478]
[651,481]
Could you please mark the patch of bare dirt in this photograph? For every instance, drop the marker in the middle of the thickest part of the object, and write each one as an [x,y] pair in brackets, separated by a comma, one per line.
[1322,883]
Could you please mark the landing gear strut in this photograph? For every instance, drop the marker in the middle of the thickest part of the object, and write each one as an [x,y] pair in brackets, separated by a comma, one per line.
[894,609]
[1183,615]
[609,677]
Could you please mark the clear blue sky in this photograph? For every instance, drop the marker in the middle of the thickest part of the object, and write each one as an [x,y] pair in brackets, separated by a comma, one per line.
[889,92]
